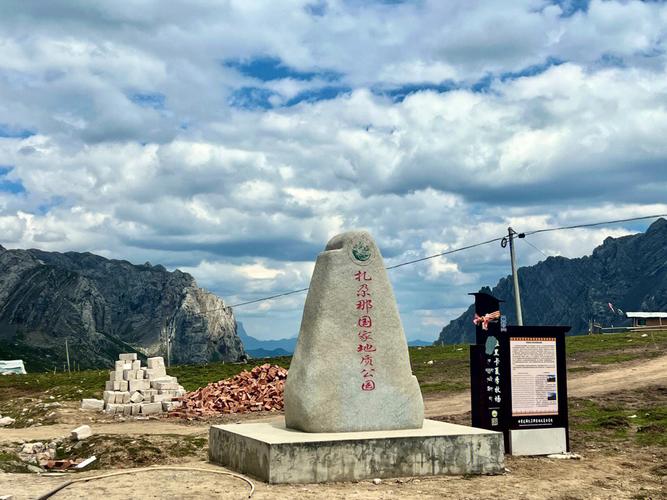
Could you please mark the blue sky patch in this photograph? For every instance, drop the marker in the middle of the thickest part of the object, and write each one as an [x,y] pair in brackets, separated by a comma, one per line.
[318,9]
[532,70]
[398,94]
[571,7]
[46,207]
[251,98]
[153,100]
[255,98]
[321,94]
[611,60]
[10,186]
[267,69]
[484,83]
[14,132]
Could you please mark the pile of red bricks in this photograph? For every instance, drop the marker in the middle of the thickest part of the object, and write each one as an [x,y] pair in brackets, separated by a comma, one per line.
[260,389]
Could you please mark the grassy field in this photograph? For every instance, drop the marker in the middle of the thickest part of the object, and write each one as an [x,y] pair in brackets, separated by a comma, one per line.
[438,368]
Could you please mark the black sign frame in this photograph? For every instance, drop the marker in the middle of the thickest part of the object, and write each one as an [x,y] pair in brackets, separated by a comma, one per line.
[491,397]
[561,420]
[486,368]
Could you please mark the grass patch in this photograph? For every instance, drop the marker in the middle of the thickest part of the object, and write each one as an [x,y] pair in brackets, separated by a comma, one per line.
[646,425]
[133,451]
[615,341]
[10,462]
[441,368]
[62,386]
[194,376]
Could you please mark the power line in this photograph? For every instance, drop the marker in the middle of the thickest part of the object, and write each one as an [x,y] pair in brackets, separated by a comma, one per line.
[261,299]
[529,243]
[441,254]
[445,253]
[448,252]
[591,224]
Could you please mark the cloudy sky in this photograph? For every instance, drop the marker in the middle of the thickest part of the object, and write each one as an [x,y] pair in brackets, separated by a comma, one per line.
[233,138]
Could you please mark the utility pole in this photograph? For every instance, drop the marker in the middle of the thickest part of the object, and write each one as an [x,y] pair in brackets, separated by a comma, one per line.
[67,352]
[168,350]
[511,234]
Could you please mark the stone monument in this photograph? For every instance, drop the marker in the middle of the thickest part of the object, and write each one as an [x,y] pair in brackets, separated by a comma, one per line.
[353,409]
[351,368]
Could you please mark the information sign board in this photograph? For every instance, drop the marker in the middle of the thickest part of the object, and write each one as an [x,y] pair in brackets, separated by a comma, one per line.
[518,379]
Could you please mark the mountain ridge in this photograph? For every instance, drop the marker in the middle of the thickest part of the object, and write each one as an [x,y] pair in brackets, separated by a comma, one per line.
[283,347]
[102,306]
[629,272]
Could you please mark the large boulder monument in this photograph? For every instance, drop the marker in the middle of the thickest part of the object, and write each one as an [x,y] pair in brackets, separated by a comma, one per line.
[353,409]
[351,368]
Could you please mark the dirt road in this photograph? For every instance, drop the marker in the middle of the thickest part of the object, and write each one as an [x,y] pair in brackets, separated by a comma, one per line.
[634,374]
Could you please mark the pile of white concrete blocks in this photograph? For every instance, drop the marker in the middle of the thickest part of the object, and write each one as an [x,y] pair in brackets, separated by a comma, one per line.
[133,390]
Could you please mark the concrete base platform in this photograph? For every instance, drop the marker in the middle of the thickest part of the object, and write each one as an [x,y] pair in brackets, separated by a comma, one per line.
[275,454]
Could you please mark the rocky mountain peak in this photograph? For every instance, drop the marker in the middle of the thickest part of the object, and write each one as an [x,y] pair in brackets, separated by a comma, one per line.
[629,272]
[105,306]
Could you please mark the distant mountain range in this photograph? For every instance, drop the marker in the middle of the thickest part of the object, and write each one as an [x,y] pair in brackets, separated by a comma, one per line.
[103,307]
[265,348]
[629,272]
[283,347]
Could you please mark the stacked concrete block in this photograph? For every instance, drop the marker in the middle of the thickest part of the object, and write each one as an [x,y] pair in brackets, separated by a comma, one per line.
[133,390]
[92,404]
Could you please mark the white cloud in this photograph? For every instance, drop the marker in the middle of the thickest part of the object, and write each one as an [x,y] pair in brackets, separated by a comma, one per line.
[245,199]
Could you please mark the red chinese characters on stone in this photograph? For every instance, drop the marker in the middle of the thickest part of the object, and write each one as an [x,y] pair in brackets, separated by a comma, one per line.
[364,305]
[365,322]
[362,276]
[368,385]
[367,360]
[364,335]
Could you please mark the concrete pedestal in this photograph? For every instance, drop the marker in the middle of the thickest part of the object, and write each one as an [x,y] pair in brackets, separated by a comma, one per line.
[276,454]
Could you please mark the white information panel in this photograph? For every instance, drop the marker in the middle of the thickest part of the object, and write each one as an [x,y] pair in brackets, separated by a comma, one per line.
[533,376]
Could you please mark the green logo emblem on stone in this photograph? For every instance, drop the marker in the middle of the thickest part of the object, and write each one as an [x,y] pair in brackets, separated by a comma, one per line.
[361,251]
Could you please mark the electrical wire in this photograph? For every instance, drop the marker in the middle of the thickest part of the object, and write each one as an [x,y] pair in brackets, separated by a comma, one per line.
[529,243]
[284,294]
[271,297]
[49,494]
[591,224]
[445,253]
[448,252]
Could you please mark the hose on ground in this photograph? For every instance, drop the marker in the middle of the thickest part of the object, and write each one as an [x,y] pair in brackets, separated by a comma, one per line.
[146,469]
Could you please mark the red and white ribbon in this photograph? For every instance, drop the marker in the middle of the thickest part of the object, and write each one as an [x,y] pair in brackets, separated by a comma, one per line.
[486,319]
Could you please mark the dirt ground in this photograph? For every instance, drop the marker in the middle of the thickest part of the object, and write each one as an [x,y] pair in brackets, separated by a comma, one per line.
[623,474]
[610,468]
